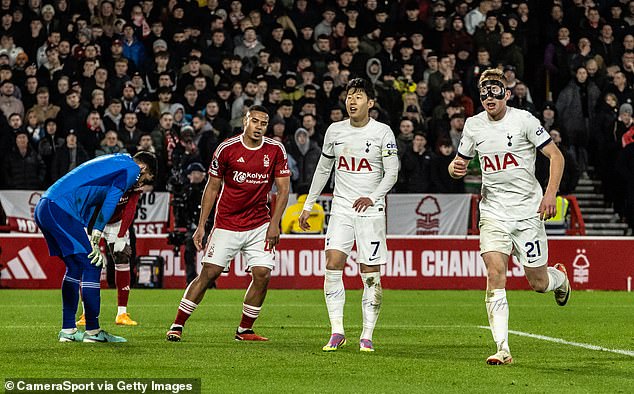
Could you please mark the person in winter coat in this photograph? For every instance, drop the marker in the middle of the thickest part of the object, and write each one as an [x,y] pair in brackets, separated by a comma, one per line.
[415,171]
[442,182]
[306,153]
[578,101]
[23,168]
[67,157]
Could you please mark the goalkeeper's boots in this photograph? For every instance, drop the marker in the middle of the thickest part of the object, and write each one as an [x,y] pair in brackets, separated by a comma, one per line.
[174,334]
[103,336]
[77,336]
[249,335]
[124,319]
[336,341]
[81,321]
[365,345]
[500,358]
[562,293]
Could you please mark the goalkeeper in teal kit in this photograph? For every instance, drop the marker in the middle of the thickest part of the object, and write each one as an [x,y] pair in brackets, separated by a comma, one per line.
[86,198]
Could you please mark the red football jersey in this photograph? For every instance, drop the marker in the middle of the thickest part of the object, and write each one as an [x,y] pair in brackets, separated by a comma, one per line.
[248,175]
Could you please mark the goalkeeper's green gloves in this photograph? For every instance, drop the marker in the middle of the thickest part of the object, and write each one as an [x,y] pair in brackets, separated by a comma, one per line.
[95,256]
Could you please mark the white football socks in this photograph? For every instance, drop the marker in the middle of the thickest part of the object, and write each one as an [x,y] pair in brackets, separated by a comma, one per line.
[371,302]
[121,310]
[498,312]
[335,295]
[556,278]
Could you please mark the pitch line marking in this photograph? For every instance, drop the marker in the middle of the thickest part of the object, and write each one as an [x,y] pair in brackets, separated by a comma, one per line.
[565,342]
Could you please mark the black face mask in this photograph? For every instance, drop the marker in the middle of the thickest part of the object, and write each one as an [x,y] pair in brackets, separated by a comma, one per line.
[492,88]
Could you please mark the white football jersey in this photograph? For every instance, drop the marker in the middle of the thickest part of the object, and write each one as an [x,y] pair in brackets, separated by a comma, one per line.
[507,150]
[361,156]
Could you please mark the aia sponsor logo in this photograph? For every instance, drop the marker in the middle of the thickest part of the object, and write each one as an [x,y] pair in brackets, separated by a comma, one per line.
[429,222]
[354,164]
[496,163]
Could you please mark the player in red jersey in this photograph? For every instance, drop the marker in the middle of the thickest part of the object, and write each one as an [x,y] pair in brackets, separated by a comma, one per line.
[241,176]
[118,241]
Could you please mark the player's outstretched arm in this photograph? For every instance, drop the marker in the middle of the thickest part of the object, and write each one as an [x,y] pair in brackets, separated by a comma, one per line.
[548,205]
[458,167]
[212,188]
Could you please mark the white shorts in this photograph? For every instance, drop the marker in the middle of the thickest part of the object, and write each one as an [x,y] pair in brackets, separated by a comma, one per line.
[368,231]
[525,239]
[224,245]
[111,231]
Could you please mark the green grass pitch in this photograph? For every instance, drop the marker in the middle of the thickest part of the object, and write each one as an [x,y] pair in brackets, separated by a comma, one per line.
[426,341]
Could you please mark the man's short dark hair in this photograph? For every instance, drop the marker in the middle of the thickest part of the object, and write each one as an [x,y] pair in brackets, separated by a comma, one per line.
[259,108]
[360,84]
[149,159]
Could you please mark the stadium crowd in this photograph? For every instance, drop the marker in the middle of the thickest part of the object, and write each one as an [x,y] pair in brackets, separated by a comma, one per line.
[79,79]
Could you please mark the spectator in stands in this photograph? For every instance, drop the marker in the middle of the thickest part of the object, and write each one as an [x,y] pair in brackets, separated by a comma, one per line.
[488,35]
[510,53]
[48,146]
[306,153]
[9,104]
[113,118]
[416,166]
[578,101]
[605,142]
[476,17]
[129,134]
[23,168]
[570,177]
[110,144]
[405,136]
[43,108]
[68,156]
[520,99]
[442,182]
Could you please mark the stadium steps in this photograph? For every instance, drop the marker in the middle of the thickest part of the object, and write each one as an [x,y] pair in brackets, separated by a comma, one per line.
[603,233]
[600,218]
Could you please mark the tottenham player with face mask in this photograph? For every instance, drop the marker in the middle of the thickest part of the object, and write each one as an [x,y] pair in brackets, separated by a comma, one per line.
[512,209]
[366,167]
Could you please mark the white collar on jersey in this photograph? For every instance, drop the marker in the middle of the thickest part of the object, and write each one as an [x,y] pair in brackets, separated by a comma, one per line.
[243,144]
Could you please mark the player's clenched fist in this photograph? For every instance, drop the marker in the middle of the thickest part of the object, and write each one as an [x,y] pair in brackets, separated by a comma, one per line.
[458,168]
[303,220]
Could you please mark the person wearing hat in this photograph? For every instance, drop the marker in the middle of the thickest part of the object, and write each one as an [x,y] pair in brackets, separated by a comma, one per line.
[306,153]
[488,35]
[457,39]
